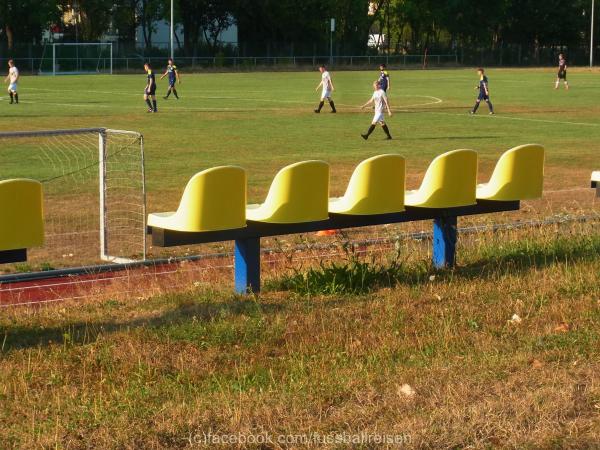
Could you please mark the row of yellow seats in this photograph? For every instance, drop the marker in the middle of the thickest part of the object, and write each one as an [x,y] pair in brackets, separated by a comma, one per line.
[22,218]
[215,199]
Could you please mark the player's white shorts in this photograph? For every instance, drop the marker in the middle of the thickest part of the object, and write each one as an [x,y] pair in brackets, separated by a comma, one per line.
[12,87]
[378,118]
[325,94]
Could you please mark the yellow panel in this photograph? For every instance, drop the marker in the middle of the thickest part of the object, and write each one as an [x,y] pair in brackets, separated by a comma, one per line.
[450,181]
[21,214]
[518,175]
[596,176]
[376,187]
[213,200]
[299,193]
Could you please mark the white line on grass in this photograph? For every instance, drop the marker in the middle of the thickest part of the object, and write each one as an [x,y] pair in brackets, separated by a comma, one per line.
[401,108]
[435,100]
[77,105]
[522,119]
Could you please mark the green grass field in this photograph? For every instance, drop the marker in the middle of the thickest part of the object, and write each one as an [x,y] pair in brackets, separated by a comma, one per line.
[264,121]
[502,351]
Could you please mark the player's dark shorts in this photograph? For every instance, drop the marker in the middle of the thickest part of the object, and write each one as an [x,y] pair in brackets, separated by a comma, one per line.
[172,82]
[483,96]
[562,75]
[151,90]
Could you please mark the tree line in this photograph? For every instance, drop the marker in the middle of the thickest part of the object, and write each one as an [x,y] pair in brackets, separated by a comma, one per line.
[302,26]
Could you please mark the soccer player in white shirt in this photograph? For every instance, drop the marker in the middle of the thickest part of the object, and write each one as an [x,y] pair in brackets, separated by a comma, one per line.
[12,78]
[380,100]
[328,88]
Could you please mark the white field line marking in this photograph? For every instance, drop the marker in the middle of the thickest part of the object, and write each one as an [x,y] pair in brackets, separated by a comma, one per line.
[522,119]
[558,191]
[433,101]
[77,105]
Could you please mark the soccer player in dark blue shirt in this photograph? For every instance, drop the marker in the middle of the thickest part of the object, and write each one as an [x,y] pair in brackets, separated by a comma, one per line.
[173,74]
[484,92]
[384,78]
[150,91]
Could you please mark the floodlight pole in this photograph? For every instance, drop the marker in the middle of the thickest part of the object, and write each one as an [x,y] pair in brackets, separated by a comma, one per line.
[172,32]
[332,29]
[592,37]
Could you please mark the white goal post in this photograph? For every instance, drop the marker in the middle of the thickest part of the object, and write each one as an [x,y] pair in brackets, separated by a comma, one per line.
[70,58]
[94,191]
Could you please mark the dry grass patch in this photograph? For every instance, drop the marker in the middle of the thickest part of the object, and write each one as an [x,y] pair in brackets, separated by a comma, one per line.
[440,361]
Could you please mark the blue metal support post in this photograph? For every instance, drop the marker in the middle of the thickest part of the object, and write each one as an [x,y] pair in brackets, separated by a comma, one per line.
[444,242]
[247,265]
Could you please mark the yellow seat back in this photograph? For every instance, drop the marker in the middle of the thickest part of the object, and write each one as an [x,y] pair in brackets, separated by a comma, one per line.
[518,175]
[21,214]
[376,187]
[299,193]
[213,200]
[450,181]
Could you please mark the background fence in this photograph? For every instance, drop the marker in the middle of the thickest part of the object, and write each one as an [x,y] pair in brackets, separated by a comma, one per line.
[34,59]
[36,66]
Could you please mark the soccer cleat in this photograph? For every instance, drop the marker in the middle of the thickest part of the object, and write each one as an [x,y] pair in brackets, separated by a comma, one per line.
[150,110]
[365,136]
[472,113]
[333,112]
[389,138]
[165,98]
[317,111]
[492,113]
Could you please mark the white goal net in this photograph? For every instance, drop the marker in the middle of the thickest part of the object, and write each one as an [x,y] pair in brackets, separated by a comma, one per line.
[94,193]
[77,58]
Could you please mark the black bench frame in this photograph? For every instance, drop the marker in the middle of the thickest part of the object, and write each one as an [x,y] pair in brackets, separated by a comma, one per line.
[247,240]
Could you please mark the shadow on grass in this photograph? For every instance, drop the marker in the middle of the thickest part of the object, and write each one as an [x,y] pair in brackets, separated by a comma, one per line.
[81,333]
[195,318]
[355,277]
[522,256]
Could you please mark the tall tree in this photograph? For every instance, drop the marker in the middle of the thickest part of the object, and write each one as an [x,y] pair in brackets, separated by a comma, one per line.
[24,20]
[204,19]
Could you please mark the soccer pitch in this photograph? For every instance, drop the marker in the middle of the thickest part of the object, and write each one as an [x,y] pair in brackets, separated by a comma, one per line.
[263,121]
[346,340]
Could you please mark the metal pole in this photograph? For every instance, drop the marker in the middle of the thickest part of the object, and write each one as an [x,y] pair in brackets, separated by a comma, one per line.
[331,49]
[172,32]
[102,188]
[332,29]
[592,37]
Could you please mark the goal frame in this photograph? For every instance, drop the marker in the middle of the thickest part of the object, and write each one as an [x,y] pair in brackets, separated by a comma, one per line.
[103,134]
[77,44]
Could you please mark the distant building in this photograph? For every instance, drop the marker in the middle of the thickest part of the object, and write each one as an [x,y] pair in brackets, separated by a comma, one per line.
[162,30]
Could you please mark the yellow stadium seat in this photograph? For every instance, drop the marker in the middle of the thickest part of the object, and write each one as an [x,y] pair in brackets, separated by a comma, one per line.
[376,187]
[519,175]
[450,181]
[213,200]
[22,214]
[299,193]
